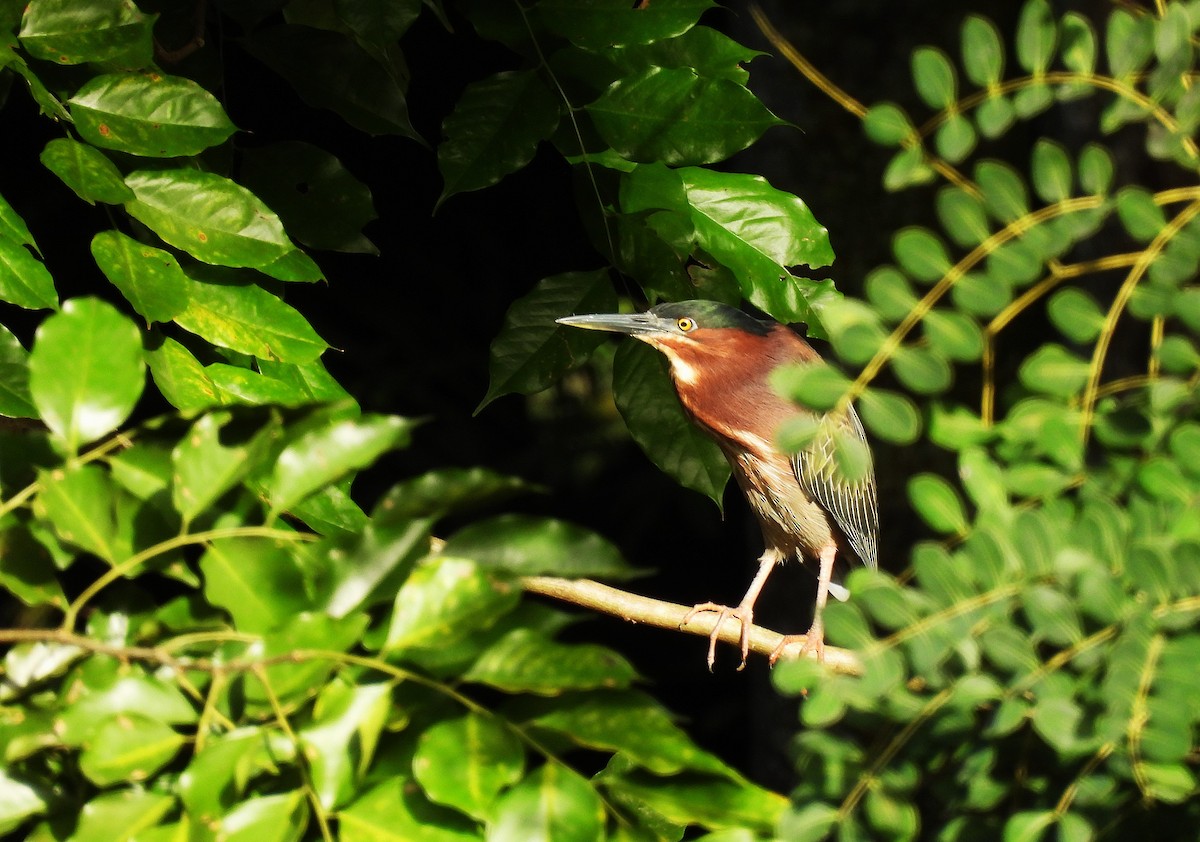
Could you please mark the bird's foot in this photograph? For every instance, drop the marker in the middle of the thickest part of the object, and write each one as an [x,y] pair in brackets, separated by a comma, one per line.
[744,614]
[814,641]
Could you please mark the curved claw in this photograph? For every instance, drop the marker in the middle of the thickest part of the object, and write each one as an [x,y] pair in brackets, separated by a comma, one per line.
[743,614]
[814,641]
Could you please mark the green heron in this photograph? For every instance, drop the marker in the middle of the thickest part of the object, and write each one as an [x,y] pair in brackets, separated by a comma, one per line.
[721,359]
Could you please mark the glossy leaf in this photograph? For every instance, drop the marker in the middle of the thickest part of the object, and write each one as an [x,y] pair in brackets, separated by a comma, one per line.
[612,23]
[711,53]
[24,280]
[267,818]
[441,492]
[331,70]
[526,661]
[13,227]
[646,400]
[121,815]
[231,313]
[523,545]
[494,130]
[86,371]
[327,454]
[677,117]
[85,170]
[128,748]
[180,377]
[219,772]
[149,278]
[215,454]
[321,203]
[531,352]
[466,762]
[259,582]
[344,715]
[67,33]
[444,599]
[19,801]
[15,400]
[210,217]
[79,503]
[149,114]
[937,503]
[396,810]
[553,804]
[235,385]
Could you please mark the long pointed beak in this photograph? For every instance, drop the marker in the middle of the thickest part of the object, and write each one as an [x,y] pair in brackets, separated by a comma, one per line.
[633,324]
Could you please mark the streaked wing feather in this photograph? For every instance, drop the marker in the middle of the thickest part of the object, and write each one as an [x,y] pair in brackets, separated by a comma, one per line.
[854,506]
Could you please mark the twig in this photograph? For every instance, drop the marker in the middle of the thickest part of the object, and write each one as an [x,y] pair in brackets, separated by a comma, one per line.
[668,615]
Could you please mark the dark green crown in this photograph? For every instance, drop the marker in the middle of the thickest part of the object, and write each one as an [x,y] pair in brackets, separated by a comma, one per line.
[711,314]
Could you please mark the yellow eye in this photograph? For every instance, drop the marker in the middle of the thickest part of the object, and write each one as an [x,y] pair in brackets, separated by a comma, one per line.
[685,324]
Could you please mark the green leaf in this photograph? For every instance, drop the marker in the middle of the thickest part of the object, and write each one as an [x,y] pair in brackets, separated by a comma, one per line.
[982,51]
[709,52]
[634,724]
[1036,36]
[15,400]
[321,203]
[890,416]
[526,661]
[396,811]
[744,223]
[13,227]
[921,370]
[1142,218]
[552,804]
[890,292]
[956,138]
[92,699]
[810,822]
[19,801]
[934,77]
[65,32]
[981,295]
[1054,370]
[524,545]
[909,168]
[180,377]
[149,114]
[259,582]
[1052,615]
[217,776]
[1078,48]
[29,574]
[817,386]
[706,800]
[1095,169]
[995,116]
[24,280]
[677,117]
[954,335]
[1129,41]
[466,762]
[1004,193]
[235,384]
[887,124]
[210,217]
[494,130]
[214,455]
[345,715]
[267,818]
[244,317]
[612,23]
[128,748]
[85,170]
[325,455]
[531,352]
[444,599]
[921,254]
[86,371]
[149,278]
[79,503]
[937,503]
[1051,171]
[121,816]
[1076,314]
[331,70]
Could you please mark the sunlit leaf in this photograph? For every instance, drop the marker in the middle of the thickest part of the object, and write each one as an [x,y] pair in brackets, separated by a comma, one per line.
[466,762]
[86,371]
[79,502]
[85,170]
[149,278]
[25,280]
[128,748]
[397,810]
[553,803]
[526,661]
[529,546]
[938,503]
[344,715]
[259,582]
[67,33]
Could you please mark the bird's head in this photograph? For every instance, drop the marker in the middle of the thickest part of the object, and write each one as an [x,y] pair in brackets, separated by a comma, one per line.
[692,334]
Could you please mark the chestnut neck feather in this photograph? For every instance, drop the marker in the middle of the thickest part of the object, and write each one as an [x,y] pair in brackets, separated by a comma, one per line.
[729,392]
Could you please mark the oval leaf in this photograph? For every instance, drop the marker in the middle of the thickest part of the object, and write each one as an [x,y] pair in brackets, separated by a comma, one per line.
[149,278]
[465,763]
[85,170]
[86,371]
[937,503]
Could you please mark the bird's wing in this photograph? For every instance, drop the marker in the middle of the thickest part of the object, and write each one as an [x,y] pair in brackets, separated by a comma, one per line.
[853,505]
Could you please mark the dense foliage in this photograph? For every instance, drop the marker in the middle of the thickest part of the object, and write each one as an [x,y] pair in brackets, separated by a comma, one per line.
[210,636]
